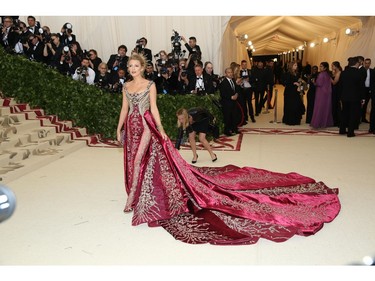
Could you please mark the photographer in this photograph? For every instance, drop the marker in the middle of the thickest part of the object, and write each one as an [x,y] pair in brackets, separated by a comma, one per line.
[66,65]
[84,73]
[34,49]
[209,70]
[182,81]
[166,83]
[118,84]
[140,48]
[8,35]
[200,83]
[52,50]
[102,79]
[118,61]
[150,73]
[77,53]
[94,60]
[66,35]
[195,53]
[22,35]
[45,34]
[161,61]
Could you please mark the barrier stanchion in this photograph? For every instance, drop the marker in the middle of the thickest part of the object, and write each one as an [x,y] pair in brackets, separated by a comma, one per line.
[274,121]
[268,100]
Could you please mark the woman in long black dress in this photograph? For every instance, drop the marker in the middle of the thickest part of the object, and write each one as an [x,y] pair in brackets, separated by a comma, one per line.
[293,105]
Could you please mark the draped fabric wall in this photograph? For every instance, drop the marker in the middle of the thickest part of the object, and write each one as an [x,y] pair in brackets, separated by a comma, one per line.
[336,50]
[346,46]
[106,33]
[216,35]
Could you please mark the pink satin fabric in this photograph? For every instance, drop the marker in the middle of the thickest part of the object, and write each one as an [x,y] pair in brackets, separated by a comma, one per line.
[219,205]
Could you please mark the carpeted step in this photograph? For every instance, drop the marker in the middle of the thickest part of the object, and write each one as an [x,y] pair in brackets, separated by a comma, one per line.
[30,139]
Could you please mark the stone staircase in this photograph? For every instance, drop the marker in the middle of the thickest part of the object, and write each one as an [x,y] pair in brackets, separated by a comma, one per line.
[29,139]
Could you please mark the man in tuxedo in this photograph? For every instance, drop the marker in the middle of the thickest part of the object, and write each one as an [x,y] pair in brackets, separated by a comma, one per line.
[200,83]
[270,82]
[119,60]
[259,85]
[228,99]
[246,76]
[34,49]
[352,96]
[140,48]
[33,25]
[8,38]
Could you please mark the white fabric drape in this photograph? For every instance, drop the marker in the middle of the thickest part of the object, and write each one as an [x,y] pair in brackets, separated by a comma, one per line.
[217,35]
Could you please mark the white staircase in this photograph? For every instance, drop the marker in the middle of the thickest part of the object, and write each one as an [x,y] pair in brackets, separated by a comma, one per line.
[30,139]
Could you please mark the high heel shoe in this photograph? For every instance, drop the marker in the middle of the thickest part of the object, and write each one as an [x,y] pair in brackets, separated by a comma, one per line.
[194,161]
[213,160]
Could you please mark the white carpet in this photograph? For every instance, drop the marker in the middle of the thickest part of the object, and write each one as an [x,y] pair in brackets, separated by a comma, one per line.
[70,211]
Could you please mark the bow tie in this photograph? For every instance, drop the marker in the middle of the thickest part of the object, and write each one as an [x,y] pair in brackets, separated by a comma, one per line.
[199,78]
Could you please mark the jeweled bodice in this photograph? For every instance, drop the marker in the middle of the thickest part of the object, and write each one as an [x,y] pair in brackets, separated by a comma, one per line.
[140,100]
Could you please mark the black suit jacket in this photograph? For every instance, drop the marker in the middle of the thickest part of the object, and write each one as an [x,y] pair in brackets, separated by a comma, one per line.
[372,82]
[226,92]
[122,64]
[37,53]
[207,81]
[352,83]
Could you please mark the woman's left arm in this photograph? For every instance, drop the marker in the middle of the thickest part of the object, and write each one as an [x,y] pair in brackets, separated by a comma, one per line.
[155,111]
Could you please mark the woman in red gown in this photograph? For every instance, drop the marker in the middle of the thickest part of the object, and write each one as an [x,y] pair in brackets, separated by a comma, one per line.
[219,205]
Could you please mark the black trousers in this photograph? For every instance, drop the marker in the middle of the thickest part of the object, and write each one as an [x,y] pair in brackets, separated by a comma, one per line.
[349,116]
[372,113]
[248,95]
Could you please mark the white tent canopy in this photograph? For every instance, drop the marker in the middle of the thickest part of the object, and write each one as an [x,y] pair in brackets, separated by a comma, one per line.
[218,35]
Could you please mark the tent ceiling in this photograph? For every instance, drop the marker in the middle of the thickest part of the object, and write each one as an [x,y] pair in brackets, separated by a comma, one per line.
[275,34]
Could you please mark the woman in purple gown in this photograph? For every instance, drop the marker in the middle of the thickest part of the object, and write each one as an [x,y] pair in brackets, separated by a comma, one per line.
[219,205]
[322,114]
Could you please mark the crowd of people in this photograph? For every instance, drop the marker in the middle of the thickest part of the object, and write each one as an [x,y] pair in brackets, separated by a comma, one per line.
[335,98]
[244,90]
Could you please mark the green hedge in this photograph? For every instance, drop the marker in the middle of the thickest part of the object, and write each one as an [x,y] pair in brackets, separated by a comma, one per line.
[85,105]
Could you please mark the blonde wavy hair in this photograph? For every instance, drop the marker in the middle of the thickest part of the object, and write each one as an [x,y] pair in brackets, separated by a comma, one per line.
[183,112]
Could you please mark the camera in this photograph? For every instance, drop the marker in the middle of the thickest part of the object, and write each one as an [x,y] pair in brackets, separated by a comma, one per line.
[201,91]
[163,70]
[176,45]
[195,55]
[183,71]
[66,54]
[46,37]
[139,46]
[85,54]
[68,27]
[82,70]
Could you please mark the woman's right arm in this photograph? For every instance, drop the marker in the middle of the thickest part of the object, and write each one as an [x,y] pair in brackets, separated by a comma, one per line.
[123,114]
